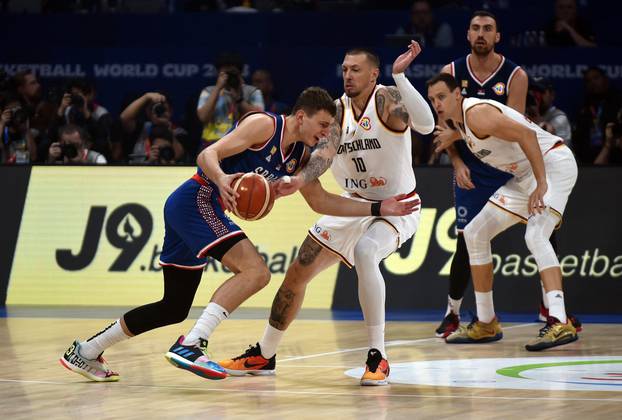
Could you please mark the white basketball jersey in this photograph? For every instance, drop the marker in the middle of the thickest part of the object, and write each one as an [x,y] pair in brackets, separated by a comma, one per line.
[372,160]
[502,154]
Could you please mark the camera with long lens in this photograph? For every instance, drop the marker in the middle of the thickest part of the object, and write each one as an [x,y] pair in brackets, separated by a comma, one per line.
[158,109]
[68,151]
[233,79]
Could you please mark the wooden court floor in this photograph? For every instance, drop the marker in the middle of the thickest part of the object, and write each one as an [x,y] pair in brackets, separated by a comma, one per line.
[311,380]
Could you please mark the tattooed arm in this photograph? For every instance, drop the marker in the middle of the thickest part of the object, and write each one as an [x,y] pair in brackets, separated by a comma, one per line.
[320,160]
[390,108]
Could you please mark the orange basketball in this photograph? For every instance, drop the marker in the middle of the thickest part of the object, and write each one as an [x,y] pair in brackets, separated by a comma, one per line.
[256,197]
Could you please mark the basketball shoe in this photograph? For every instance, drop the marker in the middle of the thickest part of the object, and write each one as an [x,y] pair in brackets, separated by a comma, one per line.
[476,332]
[95,370]
[194,359]
[448,325]
[251,362]
[543,315]
[376,369]
[554,333]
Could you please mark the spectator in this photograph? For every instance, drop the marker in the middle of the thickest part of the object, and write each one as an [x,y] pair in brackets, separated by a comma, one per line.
[611,152]
[543,112]
[41,112]
[600,106]
[225,102]
[18,144]
[262,80]
[567,29]
[425,29]
[157,111]
[72,147]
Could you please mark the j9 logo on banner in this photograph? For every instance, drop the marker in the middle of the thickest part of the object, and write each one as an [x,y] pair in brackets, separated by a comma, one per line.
[128,228]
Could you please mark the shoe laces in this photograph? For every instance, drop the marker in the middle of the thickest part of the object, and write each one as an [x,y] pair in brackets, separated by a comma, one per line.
[374,357]
[550,321]
[250,351]
[474,320]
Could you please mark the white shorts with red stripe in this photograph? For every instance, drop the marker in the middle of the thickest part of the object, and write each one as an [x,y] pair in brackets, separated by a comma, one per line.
[340,235]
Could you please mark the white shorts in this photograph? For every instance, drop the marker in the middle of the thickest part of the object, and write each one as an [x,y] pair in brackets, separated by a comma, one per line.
[340,235]
[561,176]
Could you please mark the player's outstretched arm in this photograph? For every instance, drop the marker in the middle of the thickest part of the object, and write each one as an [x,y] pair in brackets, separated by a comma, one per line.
[405,101]
[323,202]
[255,129]
[320,160]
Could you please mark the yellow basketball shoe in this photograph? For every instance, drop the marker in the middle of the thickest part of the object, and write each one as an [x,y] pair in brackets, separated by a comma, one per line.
[476,332]
[554,333]
[251,362]
[376,369]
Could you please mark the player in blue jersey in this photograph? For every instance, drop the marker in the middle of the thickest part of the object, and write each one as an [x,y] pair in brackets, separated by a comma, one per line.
[483,74]
[196,227]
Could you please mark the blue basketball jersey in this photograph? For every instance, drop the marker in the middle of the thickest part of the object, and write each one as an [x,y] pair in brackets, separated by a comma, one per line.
[486,178]
[268,158]
[495,87]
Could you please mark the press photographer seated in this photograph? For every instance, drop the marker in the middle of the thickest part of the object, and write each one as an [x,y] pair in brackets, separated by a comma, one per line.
[159,146]
[72,148]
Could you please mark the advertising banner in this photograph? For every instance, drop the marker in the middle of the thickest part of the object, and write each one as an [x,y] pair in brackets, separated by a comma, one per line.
[93,236]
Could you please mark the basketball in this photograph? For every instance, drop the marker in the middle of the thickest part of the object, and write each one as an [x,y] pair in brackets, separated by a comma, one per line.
[256,196]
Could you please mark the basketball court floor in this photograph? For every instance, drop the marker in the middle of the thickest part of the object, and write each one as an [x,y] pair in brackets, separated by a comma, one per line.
[318,367]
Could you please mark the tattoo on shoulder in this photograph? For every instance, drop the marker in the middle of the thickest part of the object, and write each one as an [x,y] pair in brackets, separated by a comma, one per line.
[394,93]
[395,106]
[322,157]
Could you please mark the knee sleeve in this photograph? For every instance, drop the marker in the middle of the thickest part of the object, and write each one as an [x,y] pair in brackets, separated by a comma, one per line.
[488,223]
[539,229]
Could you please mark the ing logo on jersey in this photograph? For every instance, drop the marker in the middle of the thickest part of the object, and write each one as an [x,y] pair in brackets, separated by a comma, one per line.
[291,166]
[365,123]
[499,88]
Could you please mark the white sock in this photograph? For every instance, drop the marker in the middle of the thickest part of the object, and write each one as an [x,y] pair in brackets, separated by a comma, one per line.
[211,317]
[545,299]
[485,306]
[94,346]
[375,333]
[556,305]
[270,341]
[453,305]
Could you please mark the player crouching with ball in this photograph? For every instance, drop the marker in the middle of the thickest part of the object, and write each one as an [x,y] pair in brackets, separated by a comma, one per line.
[196,227]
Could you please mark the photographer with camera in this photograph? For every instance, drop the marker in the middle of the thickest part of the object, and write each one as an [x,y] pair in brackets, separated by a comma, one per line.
[72,147]
[611,152]
[160,146]
[157,113]
[225,102]
[18,145]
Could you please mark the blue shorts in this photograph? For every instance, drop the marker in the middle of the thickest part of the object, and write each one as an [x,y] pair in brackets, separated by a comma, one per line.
[194,224]
[487,180]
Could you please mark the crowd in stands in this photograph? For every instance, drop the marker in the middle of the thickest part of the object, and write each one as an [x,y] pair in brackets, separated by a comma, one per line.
[67,124]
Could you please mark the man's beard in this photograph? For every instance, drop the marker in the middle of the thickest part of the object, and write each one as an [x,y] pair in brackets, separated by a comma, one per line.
[481,49]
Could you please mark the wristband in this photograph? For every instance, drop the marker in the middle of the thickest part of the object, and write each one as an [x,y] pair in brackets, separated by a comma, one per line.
[375,208]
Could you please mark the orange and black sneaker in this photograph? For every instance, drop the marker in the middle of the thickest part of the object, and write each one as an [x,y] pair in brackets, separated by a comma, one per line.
[251,362]
[376,369]
[543,315]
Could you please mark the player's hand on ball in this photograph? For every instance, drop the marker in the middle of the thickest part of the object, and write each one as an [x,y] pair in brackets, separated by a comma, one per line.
[227,193]
[287,185]
[394,207]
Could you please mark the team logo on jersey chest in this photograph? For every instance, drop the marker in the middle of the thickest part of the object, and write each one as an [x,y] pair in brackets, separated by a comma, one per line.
[499,88]
[365,123]
[291,165]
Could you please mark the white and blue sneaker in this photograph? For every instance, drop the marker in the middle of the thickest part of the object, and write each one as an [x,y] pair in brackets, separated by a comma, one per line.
[95,370]
[194,359]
